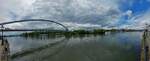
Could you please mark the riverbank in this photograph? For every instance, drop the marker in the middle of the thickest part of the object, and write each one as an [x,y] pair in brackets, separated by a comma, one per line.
[75,32]
[64,33]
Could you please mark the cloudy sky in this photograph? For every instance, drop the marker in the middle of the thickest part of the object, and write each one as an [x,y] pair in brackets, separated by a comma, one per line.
[80,13]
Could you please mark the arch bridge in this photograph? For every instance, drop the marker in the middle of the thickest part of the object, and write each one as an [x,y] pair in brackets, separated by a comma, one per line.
[3,29]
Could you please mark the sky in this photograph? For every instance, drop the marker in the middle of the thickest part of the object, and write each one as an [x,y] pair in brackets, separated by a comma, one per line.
[76,14]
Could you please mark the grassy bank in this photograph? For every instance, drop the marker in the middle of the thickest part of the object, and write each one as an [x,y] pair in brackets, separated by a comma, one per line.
[74,32]
[65,33]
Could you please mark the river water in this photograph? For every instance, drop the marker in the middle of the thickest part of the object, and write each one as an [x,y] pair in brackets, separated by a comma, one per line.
[119,46]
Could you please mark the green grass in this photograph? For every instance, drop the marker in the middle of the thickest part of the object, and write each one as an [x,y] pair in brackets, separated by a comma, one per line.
[79,33]
[64,33]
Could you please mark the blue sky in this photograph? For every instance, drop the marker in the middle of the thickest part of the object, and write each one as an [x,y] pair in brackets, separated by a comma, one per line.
[80,13]
[137,7]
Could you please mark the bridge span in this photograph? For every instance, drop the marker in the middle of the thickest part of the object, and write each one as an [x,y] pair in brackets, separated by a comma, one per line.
[3,29]
[4,45]
[29,20]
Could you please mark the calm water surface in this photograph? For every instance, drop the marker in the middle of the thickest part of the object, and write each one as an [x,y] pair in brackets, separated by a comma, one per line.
[123,46]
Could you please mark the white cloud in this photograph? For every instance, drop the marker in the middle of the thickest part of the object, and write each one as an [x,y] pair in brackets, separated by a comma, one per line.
[75,26]
[144,19]
[129,13]
[138,21]
[73,13]
[80,11]
[102,12]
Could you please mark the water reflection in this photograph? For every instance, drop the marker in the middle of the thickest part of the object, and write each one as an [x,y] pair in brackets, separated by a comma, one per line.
[123,46]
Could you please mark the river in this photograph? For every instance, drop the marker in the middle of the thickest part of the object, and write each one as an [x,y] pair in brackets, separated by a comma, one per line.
[119,46]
